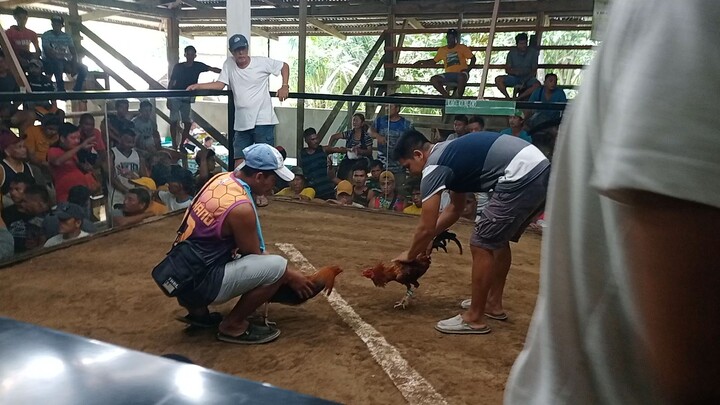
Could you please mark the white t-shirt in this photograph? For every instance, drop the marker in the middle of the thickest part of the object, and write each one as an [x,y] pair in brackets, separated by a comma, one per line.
[58,239]
[636,124]
[584,345]
[251,91]
[169,200]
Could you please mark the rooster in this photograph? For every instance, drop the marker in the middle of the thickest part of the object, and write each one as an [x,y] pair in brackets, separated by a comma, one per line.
[323,279]
[406,273]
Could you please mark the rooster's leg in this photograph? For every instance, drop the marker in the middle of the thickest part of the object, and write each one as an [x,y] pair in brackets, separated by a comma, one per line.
[265,316]
[405,301]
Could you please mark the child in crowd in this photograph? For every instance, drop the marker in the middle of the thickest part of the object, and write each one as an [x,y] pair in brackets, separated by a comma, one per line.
[376,167]
[71,217]
[14,163]
[25,220]
[416,207]
[361,192]
[314,163]
[343,195]
[180,189]
[207,167]
[16,188]
[388,198]
[297,189]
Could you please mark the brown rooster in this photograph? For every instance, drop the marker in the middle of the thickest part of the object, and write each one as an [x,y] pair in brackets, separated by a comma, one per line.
[323,279]
[401,272]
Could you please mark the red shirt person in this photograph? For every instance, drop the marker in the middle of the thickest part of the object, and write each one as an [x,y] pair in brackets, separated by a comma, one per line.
[21,38]
[65,167]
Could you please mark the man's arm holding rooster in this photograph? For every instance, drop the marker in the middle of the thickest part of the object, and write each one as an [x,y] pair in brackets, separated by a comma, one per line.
[432,223]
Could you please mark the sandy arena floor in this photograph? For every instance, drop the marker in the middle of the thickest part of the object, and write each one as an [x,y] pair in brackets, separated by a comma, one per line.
[102,289]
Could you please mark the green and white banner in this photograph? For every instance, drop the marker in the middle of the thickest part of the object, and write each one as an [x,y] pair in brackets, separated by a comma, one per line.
[479,107]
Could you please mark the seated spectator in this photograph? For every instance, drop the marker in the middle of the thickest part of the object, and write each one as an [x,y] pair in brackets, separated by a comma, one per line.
[96,154]
[117,122]
[460,124]
[296,188]
[39,82]
[471,204]
[135,207]
[21,38]
[455,57]
[207,167]
[362,194]
[25,220]
[521,68]
[146,130]
[16,190]
[376,167]
[358,146]
[7,243]
[343,195]
[60,56]
[209,143]
[314,163]
[70,219]
[517,122]
[80,196]
[387,130]
[388,199]
[548,93]
[180,191]
[475,123]
[14,162]
[416,207]
[125,165]
[8,84]
[66,169]
[154,207]
[38,140]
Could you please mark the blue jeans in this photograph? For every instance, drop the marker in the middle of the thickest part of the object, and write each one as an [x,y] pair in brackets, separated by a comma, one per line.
[259,134]
[56,68]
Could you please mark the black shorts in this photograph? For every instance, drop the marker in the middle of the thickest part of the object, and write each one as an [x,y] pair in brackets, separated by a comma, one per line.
[507,214]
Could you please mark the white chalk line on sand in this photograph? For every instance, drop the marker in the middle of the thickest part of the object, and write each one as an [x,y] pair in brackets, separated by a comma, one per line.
[414,387]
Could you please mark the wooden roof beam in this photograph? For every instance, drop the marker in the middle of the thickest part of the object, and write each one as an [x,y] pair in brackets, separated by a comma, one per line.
[262,33]
[99,15]
[414,23]
[14,3]
[327,28]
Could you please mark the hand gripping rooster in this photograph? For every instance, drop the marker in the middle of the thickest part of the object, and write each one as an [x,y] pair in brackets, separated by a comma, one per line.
[323,280]
[406,273]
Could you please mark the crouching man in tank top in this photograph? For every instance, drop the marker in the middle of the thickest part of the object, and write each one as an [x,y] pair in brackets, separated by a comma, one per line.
[224,229]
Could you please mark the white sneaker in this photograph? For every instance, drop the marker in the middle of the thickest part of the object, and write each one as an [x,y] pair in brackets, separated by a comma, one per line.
[465,304]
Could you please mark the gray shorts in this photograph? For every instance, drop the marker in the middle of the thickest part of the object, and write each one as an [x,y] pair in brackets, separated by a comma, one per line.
[249,272]
[506,215]
[180,109]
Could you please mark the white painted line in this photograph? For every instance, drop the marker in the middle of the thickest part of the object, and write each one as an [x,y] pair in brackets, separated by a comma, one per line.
[412,386]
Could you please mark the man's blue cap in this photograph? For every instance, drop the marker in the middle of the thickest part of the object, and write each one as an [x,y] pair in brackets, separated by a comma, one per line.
[237,41]
[262,156]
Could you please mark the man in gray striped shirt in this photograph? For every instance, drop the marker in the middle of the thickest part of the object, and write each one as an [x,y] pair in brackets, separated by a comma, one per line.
[517,173]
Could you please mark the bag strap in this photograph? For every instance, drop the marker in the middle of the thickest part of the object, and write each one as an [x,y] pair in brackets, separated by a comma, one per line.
[183,224]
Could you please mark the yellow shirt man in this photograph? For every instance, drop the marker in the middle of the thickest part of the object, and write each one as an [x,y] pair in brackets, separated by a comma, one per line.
[38,144]
[412,210]
[287,192]
[455,58]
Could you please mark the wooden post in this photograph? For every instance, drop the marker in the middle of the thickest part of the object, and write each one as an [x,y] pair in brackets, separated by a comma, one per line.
[172,32]
[302,48]
[488,50]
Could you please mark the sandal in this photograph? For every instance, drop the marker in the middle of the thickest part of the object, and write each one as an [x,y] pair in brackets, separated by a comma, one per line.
[457,326]
[211,320]
[253,335]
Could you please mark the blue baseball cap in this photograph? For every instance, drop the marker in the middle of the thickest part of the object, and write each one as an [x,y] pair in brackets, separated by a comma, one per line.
[262,156]
[237,41]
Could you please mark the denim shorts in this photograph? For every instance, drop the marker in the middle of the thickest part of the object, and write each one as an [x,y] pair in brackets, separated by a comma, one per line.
[259,134]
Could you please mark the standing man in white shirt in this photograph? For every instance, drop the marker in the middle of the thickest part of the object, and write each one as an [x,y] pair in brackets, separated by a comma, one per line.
[628,310]
[247,77]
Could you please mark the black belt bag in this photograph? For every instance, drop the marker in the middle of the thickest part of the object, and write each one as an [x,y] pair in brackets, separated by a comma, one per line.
[181,269]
